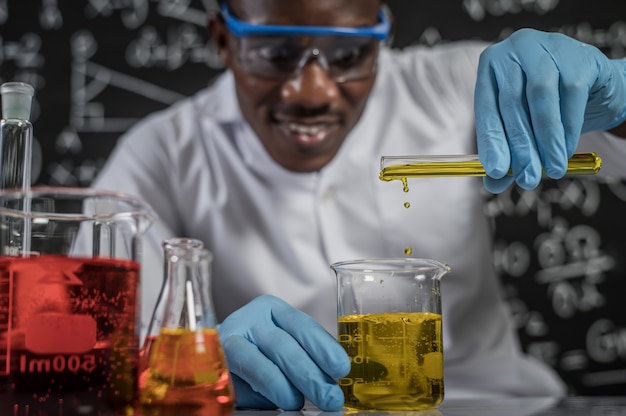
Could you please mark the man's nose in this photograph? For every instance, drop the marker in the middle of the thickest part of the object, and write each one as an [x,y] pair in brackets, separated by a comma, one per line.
[312,87]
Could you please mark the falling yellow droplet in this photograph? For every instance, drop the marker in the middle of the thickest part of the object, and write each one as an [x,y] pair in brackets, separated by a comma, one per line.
[407,204]
[408,251]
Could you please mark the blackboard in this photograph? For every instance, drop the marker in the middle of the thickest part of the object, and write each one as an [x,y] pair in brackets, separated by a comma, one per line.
[100,65]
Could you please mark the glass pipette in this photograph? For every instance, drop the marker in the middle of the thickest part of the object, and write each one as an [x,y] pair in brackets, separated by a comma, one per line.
[402,167]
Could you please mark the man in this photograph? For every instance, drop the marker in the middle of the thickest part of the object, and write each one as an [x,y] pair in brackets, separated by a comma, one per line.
[275,167]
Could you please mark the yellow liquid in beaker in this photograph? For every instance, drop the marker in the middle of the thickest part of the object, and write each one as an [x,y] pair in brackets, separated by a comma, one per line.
[187,368]
[397,360]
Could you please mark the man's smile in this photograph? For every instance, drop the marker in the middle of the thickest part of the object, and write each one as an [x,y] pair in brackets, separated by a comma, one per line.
[307,133]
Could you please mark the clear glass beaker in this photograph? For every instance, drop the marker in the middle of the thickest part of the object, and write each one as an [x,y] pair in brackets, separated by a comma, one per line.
[186,367]
[69,293]
[389,322]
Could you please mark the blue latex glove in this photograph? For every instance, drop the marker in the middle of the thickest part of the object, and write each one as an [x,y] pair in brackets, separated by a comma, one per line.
[536,93]
[278,355]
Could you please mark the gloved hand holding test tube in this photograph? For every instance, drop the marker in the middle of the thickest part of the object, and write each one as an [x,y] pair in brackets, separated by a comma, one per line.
[428,166]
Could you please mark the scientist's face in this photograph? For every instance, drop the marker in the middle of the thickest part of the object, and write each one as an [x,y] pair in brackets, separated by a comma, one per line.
[300,93]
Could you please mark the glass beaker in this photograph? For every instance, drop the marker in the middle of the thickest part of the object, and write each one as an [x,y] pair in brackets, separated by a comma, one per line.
[186,367]
[69,293]
[389,322]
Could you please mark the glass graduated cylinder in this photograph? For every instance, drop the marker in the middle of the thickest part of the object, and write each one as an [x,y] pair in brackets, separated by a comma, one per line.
[16,135]
[403,167]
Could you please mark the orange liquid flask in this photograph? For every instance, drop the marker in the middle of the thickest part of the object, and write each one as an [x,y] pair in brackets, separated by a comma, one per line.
[156,320]
[183,365]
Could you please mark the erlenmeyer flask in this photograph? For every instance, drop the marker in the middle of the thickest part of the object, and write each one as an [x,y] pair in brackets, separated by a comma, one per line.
[156,319]
[186,366]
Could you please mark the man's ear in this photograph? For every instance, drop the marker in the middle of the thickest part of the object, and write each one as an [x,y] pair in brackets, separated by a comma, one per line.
[392,22]
[218,33]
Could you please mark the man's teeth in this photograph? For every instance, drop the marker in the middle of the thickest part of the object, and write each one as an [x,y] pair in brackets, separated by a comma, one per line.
[306,129]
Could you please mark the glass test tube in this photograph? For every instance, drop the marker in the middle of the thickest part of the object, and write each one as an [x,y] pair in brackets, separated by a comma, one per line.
[402,167]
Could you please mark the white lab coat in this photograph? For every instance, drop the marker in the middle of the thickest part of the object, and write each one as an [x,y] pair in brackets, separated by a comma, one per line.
[201,168]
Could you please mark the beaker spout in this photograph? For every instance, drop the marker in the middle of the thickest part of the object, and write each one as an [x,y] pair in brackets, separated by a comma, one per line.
[444,269]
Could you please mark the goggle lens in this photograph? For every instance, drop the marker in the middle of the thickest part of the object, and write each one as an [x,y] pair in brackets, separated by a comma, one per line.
[344,58]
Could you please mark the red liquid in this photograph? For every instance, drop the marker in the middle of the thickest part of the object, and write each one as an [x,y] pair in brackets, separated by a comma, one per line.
[67,332]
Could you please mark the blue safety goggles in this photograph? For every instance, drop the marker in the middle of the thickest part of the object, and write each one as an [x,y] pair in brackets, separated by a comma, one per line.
[281,51]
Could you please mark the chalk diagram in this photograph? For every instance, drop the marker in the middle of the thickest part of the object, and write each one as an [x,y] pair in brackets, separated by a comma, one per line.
[571,267]
[185,43]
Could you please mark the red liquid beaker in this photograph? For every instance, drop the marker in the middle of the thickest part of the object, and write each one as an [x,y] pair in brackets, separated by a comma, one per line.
[69,291]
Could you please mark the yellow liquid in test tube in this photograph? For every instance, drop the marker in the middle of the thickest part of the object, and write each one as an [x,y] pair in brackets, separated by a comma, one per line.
[431,166]
[403,167]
